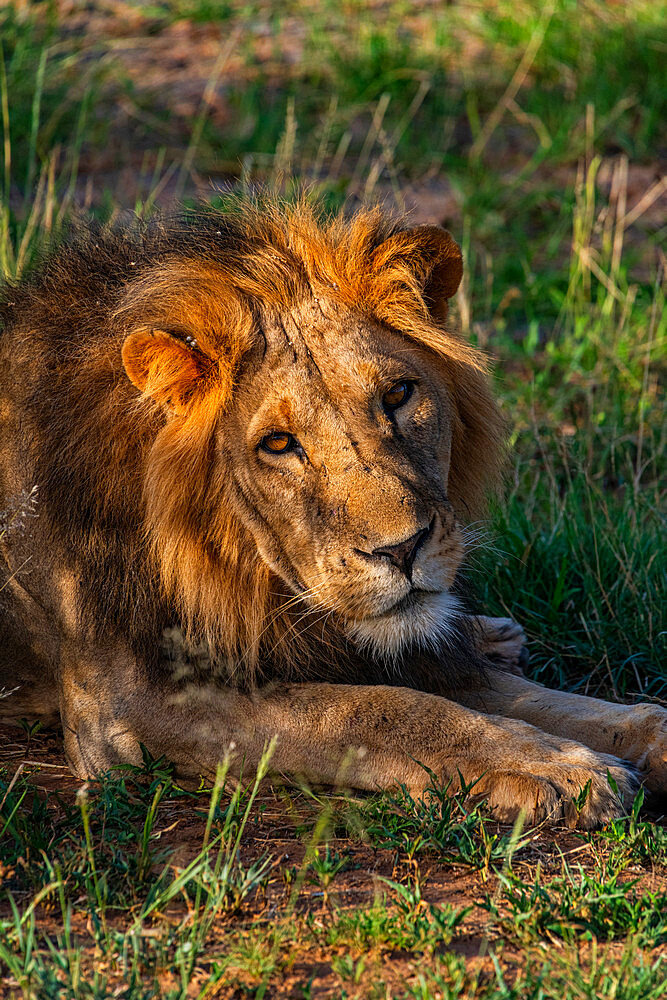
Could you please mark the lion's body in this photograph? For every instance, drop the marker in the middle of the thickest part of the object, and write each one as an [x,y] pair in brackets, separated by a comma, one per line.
[145,379]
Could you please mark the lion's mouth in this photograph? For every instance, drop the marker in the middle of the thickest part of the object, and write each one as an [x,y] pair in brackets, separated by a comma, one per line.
[412,601]
[422,618]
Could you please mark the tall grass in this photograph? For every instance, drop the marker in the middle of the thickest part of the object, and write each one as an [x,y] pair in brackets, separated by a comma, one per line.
[579,554]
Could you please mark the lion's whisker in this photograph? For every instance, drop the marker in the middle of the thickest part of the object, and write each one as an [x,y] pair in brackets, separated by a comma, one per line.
[276,614]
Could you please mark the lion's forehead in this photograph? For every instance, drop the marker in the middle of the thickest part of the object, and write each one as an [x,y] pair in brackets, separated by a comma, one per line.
[337,337]
[314,356]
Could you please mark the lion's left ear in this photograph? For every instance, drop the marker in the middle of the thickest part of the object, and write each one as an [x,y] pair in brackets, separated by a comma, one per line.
[433,259]
[170,368]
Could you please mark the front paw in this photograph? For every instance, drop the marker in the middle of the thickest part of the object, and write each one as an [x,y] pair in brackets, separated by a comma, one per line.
[503,641]
[548,790]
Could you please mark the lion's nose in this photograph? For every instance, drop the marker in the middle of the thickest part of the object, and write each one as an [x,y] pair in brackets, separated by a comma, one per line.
[404,554]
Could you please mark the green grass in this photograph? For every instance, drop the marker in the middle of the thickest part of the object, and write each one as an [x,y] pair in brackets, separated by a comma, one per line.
[436,73]
[577,905]
[126,917]
[561,978]
[525,113]
[439,824]
[582,566]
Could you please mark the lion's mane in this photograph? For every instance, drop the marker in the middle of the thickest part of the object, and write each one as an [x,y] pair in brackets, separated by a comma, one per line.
[130,491]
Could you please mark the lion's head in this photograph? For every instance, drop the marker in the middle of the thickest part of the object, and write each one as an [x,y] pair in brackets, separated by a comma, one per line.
[324,435]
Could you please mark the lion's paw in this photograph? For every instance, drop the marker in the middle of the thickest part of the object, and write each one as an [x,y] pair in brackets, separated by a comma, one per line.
[649,746]
[503,641]
[552,792]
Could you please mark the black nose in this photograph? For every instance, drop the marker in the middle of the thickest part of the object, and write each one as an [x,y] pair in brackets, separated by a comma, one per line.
[404,554]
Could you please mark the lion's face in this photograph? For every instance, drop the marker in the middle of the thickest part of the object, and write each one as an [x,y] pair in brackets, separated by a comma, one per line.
[319,424]
[339,447]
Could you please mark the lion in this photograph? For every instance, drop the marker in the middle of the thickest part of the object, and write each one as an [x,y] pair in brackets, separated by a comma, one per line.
[257,428]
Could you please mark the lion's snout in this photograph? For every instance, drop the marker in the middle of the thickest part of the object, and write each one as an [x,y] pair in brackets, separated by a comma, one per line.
[404,582]
[402,555]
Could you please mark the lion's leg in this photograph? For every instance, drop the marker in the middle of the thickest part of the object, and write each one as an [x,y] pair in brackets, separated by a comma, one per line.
[636,733]
[28,652]
[94,685]
[360,736]
[377,737]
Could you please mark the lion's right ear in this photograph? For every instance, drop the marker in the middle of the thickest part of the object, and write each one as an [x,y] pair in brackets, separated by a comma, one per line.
[443,268]
[173,370]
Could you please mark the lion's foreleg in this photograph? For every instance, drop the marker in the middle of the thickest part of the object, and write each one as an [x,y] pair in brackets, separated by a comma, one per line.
[356,736]
[636,733]
[93,685]
[376,737]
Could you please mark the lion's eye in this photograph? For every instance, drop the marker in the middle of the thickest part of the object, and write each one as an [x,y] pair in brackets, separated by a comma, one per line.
[399,394]
[278,443]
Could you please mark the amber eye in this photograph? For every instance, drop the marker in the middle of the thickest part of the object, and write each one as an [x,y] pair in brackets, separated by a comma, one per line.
[398,395]
[278,443]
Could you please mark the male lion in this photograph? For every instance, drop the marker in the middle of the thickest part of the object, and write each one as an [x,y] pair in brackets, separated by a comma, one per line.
[257,427]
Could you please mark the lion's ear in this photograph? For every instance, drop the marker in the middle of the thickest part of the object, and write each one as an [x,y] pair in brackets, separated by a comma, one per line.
[434,260]
[173,370]
[444,278]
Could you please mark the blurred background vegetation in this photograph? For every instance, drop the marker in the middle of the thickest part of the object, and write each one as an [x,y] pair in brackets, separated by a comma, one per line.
[533,130]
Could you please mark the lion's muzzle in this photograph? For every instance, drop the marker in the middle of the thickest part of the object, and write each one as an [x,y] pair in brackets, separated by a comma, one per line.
[402,554]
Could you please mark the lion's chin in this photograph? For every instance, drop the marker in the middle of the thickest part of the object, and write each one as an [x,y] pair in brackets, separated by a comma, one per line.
[421,619]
